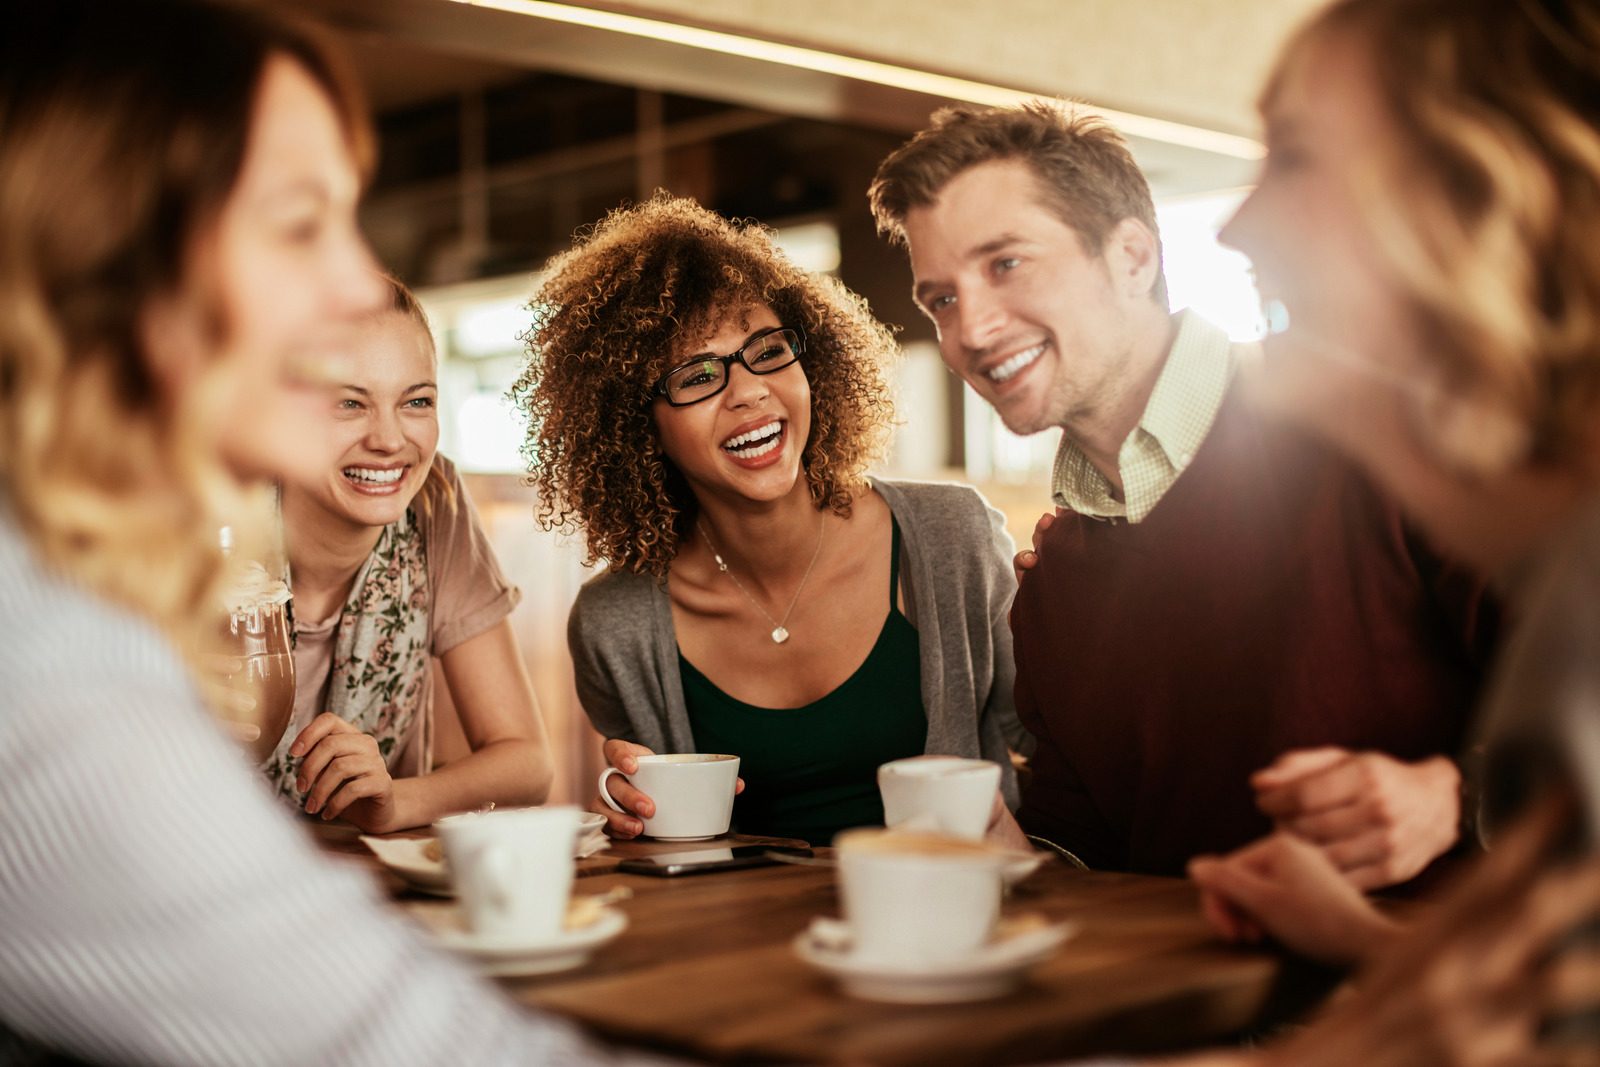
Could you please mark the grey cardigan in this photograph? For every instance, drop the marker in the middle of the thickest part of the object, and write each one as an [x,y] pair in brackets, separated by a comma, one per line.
[956,562]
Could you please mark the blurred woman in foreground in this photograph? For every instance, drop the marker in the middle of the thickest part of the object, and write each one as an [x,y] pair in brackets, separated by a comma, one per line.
[1426,216]
[179,266]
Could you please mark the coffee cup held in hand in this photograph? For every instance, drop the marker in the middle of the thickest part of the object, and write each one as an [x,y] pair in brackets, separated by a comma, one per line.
[692,791]
[912,897]
[512,869]
[942,794]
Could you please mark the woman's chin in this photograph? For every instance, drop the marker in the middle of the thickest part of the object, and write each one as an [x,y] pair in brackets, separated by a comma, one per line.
[770,484]
[369,509]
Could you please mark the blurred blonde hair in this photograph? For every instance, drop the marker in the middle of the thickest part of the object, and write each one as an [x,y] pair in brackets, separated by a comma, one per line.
[123,129]
[1487,207]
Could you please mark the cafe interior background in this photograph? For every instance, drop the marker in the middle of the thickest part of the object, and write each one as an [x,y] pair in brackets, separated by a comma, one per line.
[507,124]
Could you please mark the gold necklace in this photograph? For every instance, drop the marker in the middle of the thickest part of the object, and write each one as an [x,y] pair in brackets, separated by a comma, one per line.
[780,632]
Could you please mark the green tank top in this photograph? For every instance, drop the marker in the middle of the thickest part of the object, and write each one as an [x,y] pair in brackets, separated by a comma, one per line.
[812,771]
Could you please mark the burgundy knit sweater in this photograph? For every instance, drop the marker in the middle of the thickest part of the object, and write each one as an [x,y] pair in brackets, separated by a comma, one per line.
[1271,601]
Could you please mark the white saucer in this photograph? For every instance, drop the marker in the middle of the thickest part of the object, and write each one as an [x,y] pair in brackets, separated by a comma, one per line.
[501,958]
[660,837]
[993,970]
[408,856]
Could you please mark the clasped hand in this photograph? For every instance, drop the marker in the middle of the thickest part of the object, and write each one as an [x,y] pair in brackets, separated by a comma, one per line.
[1473,982]
[343,773]
[1379,820]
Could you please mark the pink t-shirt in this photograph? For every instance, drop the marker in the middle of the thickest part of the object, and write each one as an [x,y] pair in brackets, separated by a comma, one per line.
[470,594]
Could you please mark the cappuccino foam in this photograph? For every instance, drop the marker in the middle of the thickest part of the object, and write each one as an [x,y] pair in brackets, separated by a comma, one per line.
[918,843]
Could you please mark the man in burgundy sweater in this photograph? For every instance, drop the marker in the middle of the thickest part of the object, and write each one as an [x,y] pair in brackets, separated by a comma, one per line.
[1225,628]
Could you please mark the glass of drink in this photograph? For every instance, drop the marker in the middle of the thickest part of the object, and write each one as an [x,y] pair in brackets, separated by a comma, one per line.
[252,664]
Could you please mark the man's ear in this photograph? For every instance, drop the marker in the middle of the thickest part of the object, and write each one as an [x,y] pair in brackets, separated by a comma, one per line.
[1134,254]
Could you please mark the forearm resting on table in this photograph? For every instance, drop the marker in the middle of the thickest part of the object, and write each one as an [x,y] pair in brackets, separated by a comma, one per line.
[507,773]
[510,759]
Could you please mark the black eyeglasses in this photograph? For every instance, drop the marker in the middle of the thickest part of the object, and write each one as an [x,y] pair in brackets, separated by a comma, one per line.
[705,376]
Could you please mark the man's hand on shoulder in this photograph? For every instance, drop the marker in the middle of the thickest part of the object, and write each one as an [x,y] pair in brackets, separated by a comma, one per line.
[1028,558]
[1380,820]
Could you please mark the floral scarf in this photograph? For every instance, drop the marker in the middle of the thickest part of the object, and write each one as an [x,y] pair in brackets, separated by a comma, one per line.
[379,682]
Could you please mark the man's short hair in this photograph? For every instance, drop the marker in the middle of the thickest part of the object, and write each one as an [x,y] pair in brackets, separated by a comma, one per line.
[1085,171]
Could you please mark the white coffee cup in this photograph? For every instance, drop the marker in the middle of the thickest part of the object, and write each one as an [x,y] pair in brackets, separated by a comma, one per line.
[945,794]
[692,791]
[912,897]
[512,869]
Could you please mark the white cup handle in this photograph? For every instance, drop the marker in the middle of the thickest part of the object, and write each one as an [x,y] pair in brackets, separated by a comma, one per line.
[605,794]
[497,873]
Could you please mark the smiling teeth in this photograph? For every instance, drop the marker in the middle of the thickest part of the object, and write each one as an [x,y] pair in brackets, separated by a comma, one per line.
[1008,370]
[364,474]
[757,442]
[758,451]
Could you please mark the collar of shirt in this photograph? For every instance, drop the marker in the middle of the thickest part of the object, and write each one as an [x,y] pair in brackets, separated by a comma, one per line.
[1176,419]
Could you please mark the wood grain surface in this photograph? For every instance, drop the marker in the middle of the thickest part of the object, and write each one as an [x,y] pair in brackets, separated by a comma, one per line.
[706,969]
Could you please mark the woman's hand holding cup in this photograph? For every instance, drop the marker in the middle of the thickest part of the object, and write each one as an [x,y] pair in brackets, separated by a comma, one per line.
[624,756]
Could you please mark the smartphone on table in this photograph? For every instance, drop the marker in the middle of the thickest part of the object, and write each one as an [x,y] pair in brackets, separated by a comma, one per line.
[706,860]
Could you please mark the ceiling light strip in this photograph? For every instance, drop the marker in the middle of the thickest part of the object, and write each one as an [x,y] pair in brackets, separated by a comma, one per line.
[865,70]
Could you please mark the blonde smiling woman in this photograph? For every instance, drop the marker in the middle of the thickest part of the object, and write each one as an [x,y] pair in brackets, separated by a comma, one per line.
[391,570]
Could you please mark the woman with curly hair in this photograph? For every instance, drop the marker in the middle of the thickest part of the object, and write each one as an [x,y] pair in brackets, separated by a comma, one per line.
[705,412]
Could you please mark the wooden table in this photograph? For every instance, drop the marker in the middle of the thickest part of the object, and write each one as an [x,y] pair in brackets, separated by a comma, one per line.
[705,968]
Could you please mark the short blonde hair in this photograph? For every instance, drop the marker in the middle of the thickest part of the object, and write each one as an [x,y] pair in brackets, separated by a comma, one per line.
[1487,204]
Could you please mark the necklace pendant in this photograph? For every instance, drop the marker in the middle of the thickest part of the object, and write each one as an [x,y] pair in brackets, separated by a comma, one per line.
[780,635]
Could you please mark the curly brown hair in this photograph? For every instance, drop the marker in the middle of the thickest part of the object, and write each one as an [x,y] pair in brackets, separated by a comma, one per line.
[607,319]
